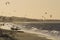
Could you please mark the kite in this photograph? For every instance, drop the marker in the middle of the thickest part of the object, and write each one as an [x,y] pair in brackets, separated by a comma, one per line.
[50,16]
[45,12]
[7,3]
[43,17]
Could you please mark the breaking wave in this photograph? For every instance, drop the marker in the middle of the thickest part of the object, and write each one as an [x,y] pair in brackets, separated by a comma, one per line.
[41,30]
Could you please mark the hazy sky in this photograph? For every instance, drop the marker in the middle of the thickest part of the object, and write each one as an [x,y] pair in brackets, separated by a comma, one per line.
[31,8]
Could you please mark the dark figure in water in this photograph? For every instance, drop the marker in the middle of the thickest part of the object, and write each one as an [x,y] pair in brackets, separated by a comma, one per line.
[14,29]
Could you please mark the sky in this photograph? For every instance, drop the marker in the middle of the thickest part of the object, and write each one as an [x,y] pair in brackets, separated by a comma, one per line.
[37,9]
